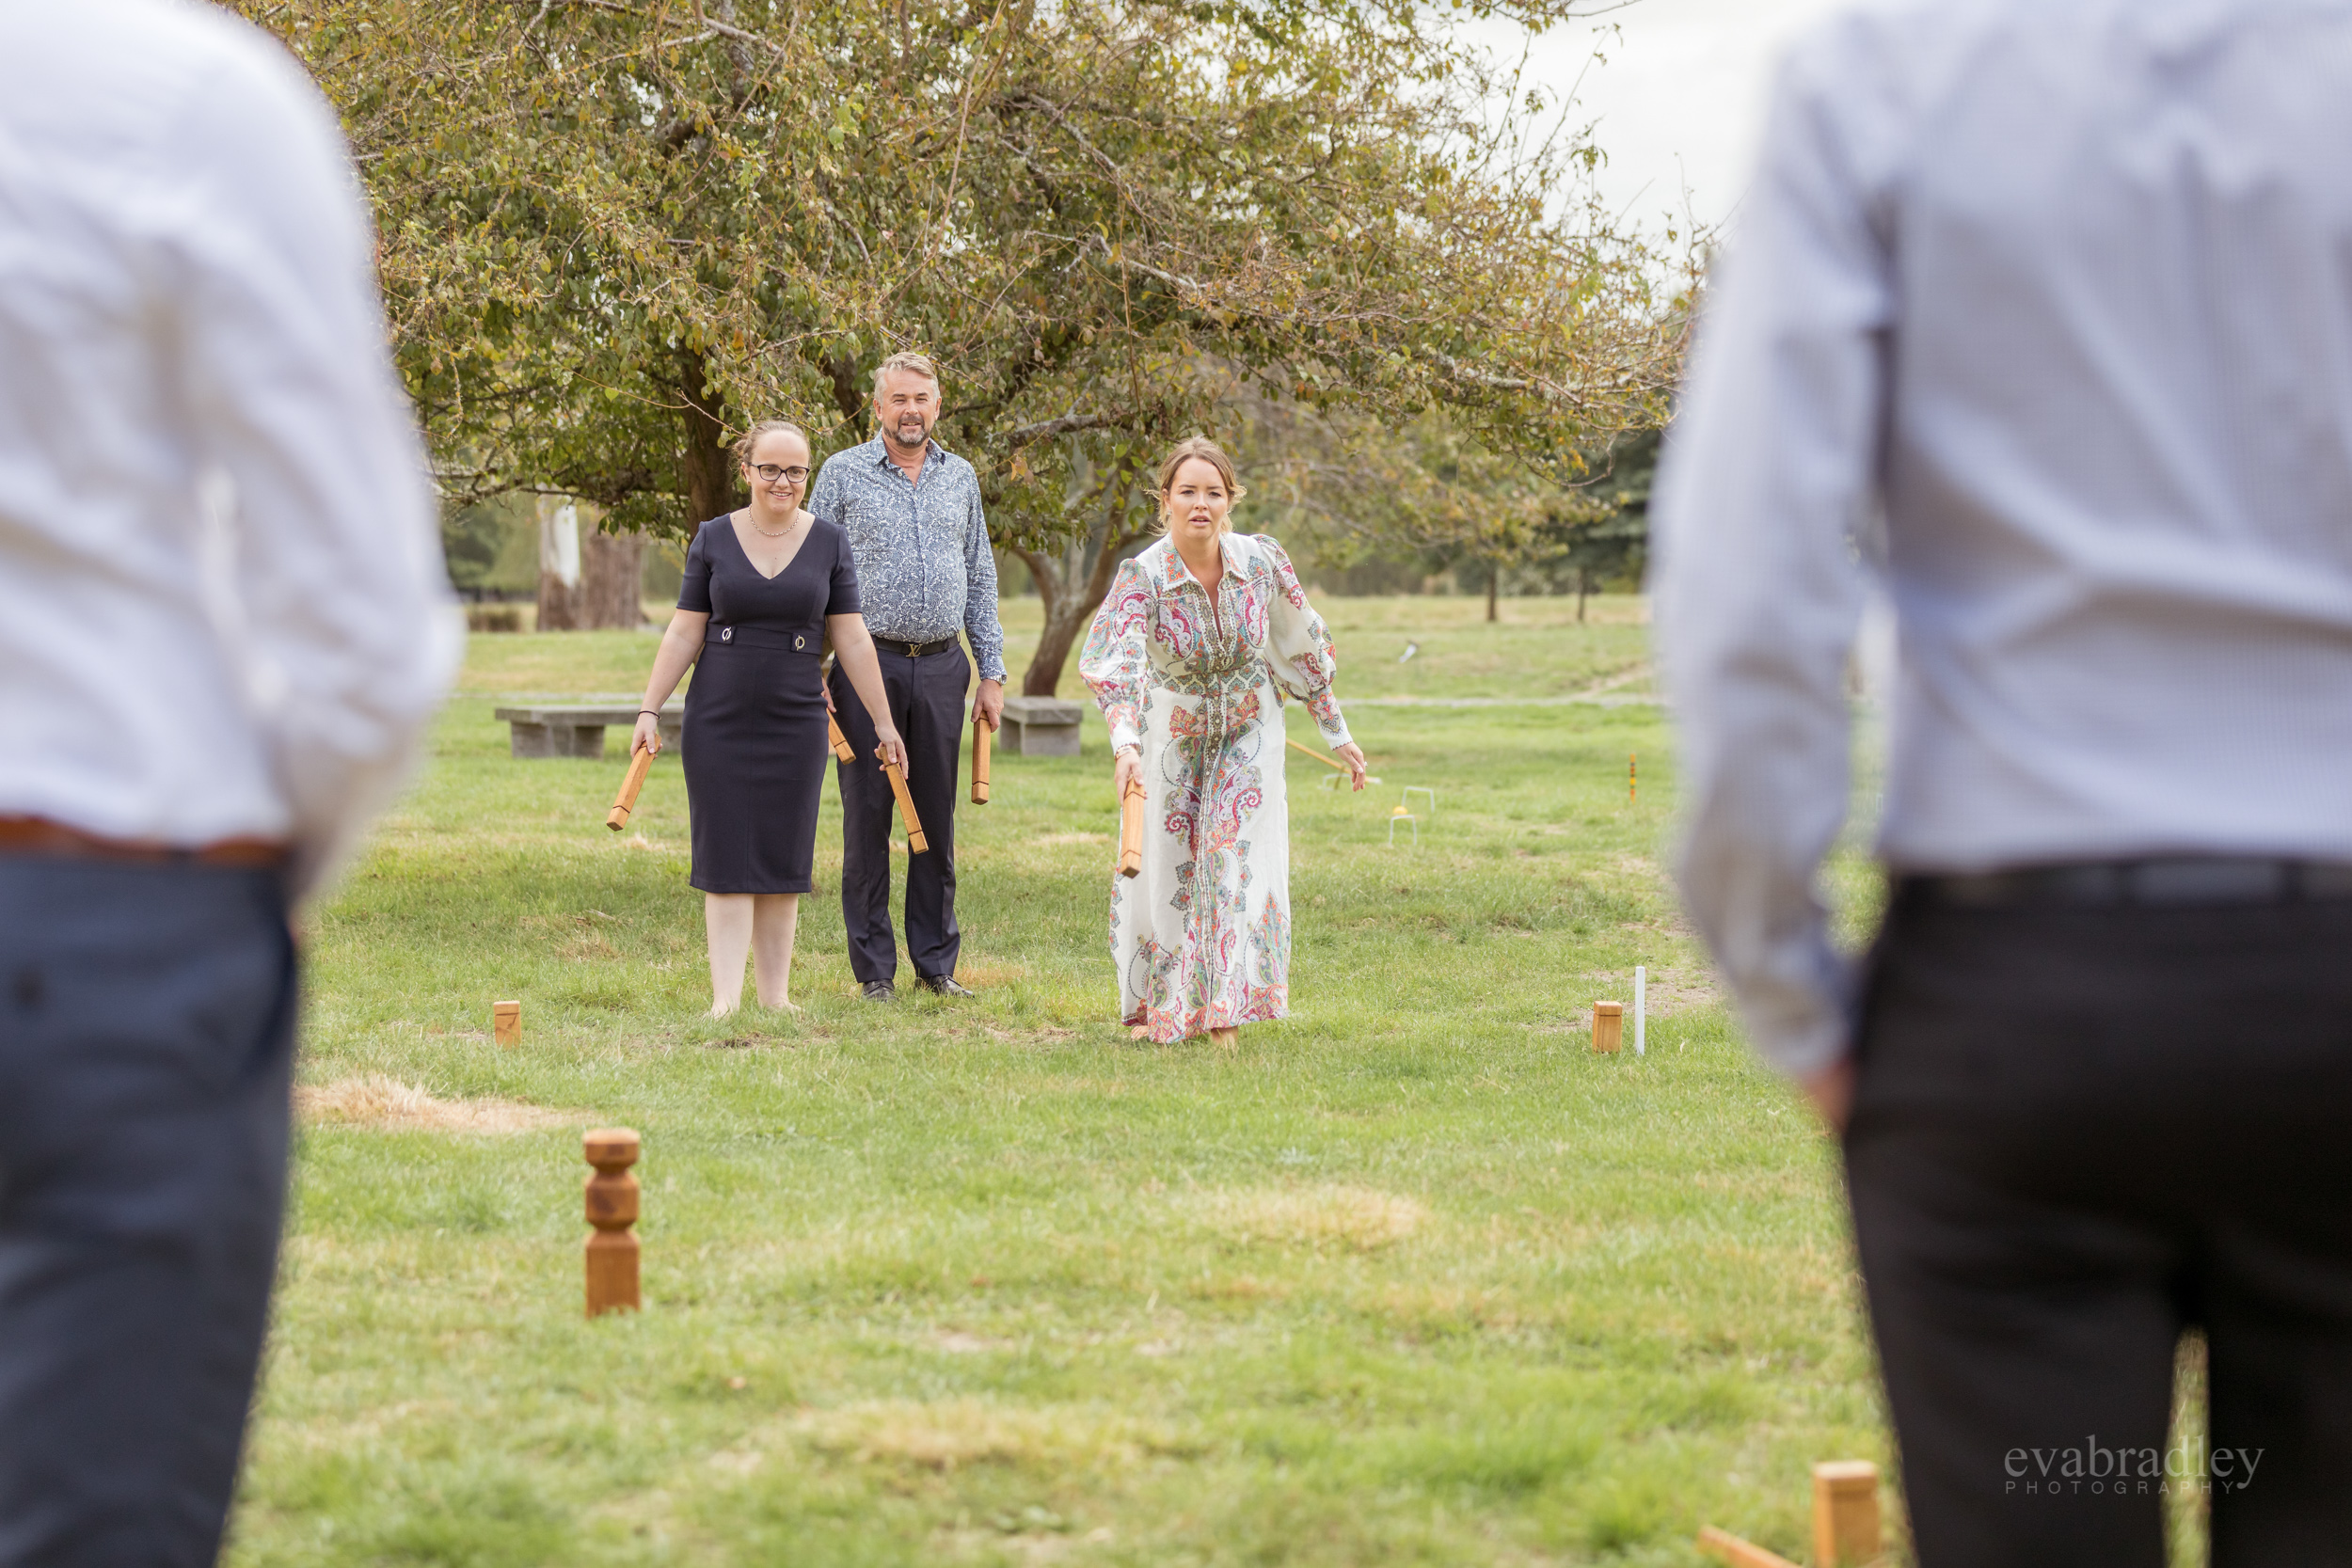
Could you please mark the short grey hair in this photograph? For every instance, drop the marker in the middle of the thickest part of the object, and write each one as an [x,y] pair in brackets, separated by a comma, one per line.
[919,364]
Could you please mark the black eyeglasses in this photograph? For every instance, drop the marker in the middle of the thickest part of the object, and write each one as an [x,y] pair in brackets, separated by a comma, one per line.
[769,473]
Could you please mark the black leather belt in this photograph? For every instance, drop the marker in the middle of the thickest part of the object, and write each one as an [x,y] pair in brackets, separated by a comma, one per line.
[913,650]
[2188,880]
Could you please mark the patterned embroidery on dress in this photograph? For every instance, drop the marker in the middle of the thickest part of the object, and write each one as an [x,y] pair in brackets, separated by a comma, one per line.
[1268,994]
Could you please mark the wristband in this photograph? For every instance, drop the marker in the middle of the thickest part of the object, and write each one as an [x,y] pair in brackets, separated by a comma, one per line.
[655,712]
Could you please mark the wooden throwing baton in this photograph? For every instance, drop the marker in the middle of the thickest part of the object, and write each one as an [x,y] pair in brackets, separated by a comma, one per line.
[1302,750]
[1131,830]
[1739,1553]
[916,844]
[981,729]
[840,742]
[625,801]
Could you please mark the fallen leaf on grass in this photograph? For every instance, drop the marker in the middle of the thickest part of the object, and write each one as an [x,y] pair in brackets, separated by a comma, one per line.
[375,1101]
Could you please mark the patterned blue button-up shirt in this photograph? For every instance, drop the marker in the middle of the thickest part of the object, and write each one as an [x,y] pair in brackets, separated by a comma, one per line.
[924,567]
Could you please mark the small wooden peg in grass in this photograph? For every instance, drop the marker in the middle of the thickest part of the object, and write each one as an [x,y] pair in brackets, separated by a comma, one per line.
[613,1209]
[1608,1025]
[625,801]
[1131,830]
[1845,1514]
[506,1023]
[1739,1553]
[981,729]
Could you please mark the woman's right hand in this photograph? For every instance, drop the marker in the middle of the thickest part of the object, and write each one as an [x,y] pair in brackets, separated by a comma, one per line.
[647,736]
[1130,771]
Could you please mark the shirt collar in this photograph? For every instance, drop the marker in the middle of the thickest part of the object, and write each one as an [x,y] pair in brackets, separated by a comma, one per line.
[1172,567]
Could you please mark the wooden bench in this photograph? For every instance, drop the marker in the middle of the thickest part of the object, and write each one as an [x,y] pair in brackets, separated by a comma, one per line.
[577,729]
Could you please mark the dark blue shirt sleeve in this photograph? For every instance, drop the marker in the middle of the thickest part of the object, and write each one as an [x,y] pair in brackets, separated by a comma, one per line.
[844,600]
[693,590]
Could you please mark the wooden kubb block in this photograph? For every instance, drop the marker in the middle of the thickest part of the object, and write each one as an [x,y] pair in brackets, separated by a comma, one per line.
[1608,1025]
[506,1023]
[612,1198]
[1845,1514]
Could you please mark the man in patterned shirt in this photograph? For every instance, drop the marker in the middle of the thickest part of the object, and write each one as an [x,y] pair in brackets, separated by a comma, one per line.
[925,573]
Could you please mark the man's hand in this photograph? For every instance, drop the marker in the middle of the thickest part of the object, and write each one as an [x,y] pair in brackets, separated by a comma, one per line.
[989,703]
[1831,1093]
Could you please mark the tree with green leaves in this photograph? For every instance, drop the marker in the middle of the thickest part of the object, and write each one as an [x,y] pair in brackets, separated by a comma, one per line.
[615,233]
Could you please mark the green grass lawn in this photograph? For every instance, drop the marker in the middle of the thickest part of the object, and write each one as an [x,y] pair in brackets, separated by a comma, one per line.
[1414,1277]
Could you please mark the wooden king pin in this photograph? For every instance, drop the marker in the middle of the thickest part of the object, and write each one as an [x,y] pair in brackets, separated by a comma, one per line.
[613,1209]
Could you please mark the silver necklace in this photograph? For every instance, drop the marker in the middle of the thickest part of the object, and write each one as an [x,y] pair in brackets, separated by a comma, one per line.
[765,534]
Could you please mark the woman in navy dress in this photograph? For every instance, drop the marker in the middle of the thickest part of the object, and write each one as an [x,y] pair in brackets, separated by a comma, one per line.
[765,588]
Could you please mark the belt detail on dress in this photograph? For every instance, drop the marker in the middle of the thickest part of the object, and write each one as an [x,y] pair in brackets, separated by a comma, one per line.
[37,835]
[2178,881]
[915,650]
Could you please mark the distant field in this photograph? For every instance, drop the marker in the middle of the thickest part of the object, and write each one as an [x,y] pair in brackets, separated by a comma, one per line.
[1413,1277]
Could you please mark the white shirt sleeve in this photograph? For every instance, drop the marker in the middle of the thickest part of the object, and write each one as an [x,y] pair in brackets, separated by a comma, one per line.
[349,633]
[1767,478]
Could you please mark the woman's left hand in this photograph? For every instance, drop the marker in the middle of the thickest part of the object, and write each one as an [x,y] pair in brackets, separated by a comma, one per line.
[1353,756]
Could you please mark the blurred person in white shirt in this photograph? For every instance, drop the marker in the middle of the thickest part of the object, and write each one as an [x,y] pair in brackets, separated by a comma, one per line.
[2041,312]
[223,623]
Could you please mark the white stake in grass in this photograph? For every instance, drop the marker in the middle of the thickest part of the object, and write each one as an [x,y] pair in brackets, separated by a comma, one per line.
[1641,1010]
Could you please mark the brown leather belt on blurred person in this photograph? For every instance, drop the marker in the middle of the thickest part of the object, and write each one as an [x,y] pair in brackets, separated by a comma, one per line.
[36,835]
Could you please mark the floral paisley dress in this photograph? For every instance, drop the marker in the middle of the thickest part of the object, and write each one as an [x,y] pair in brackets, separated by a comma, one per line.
[1203,937]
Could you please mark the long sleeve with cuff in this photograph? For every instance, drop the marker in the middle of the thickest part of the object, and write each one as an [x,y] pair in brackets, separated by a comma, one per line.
[1769,472]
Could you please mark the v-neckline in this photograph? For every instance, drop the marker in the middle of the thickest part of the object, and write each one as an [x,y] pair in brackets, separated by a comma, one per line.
[1225,573]
[744,549]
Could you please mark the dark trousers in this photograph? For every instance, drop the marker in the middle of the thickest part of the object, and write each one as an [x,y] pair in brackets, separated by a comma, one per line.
[2079,1133]
[927,704]
[146,1042]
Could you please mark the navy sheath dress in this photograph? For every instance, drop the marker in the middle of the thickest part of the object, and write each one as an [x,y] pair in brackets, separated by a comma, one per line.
[755,743]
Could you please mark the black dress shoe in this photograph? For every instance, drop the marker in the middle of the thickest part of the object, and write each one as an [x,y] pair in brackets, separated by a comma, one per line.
[881,990]
[944,985]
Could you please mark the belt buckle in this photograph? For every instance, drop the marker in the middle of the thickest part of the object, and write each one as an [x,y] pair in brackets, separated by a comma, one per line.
[915,650]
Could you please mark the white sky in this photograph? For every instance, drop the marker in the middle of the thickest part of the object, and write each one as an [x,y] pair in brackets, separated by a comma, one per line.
[1681,97]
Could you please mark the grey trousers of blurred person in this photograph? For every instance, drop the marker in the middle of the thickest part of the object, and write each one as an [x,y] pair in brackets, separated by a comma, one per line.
[146,1042]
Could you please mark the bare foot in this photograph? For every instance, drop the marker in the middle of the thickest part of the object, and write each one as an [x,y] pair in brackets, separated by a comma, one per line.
[1224,1039]
[722,1010]
[1138,1032]
[786,1006]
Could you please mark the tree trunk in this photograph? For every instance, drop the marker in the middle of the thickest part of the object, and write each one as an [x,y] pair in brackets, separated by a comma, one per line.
[1494,581]
[1584,586]
[588,580]
[1071,587]
[709,468]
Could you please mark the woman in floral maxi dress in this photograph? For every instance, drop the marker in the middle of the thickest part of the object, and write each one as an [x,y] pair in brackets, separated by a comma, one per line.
[1183,658]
